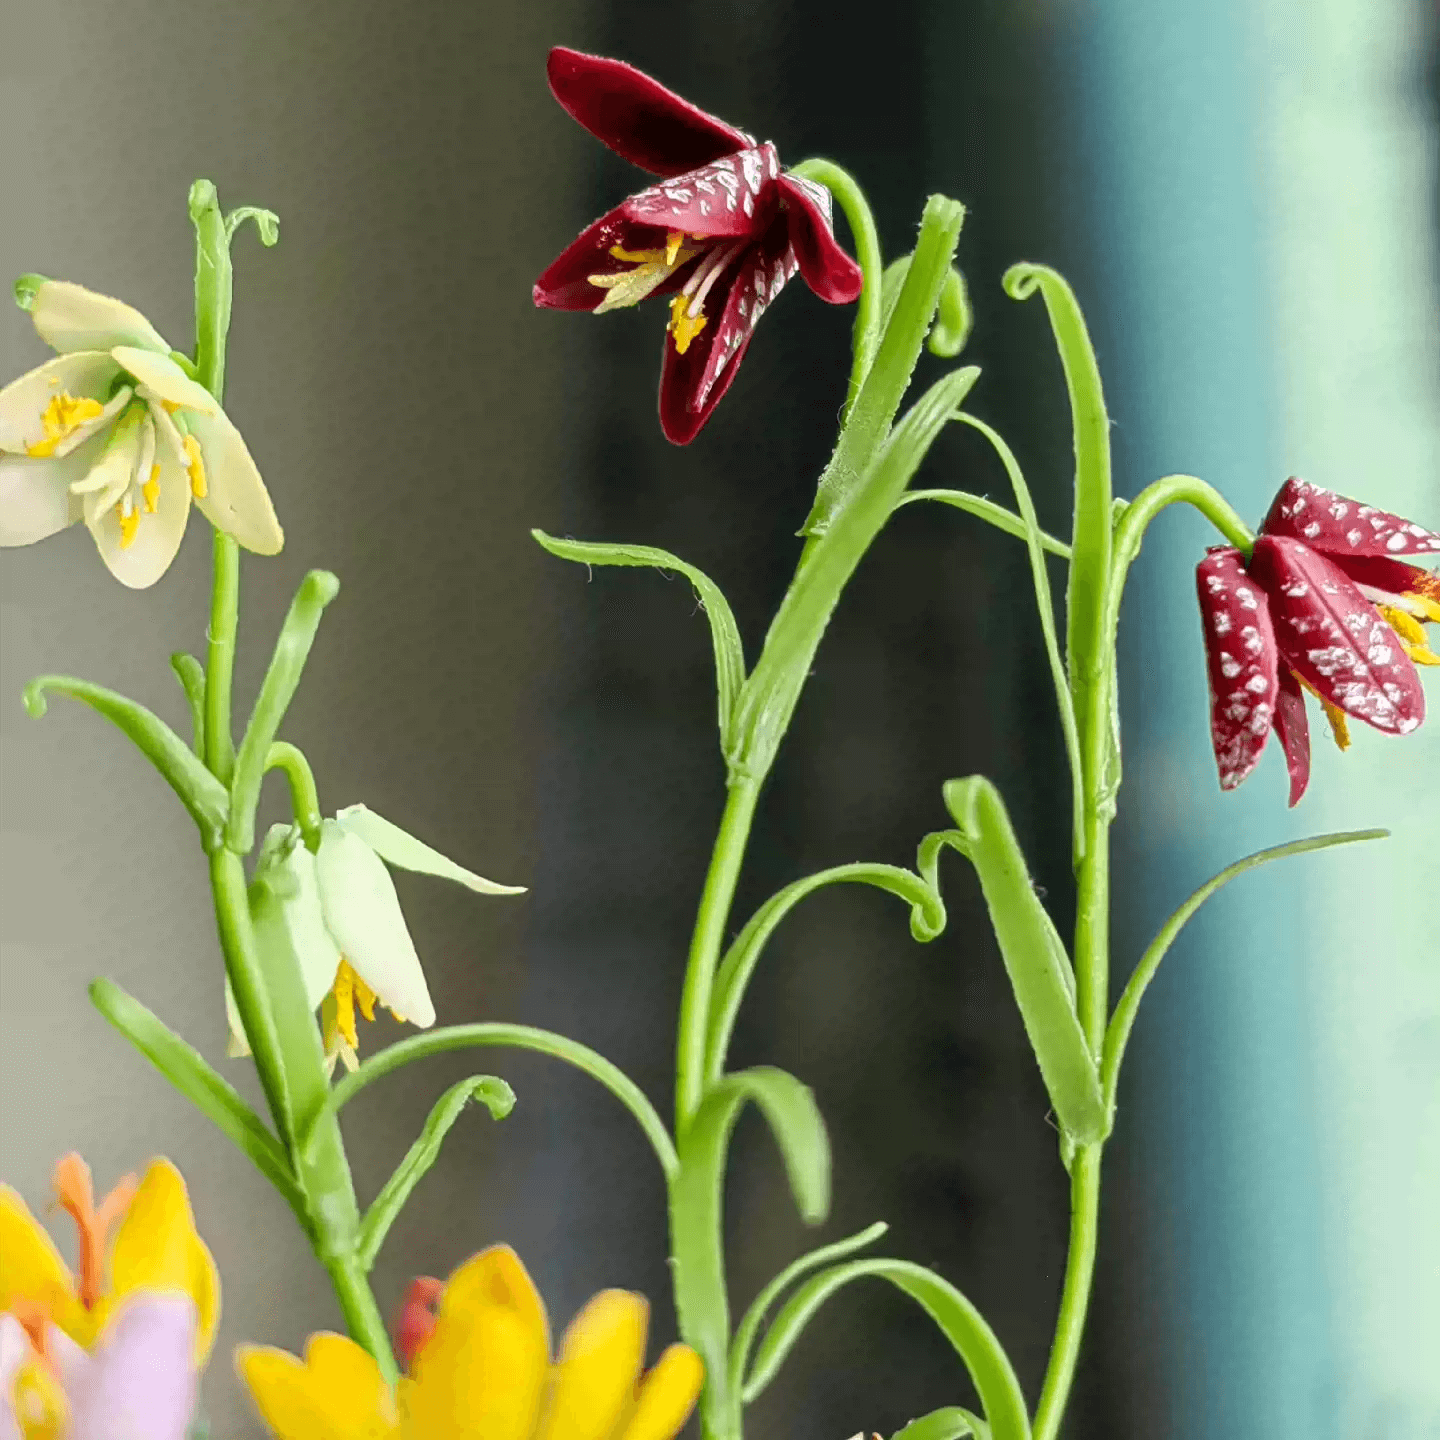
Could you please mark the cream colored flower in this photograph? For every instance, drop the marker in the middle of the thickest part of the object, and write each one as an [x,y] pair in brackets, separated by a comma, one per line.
[115,433]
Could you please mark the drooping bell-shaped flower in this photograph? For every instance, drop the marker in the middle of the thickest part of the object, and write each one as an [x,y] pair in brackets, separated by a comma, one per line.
[720,234]
[114,432]
[1324,603]
[346,927]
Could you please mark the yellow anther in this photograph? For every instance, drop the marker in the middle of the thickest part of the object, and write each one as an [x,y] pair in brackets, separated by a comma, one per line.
[344,993]
[673,240]
[651,268]
[129,524]
[61,417]
[39,1402]
[1411,633]
[151,490]
[1339,725]
[195,464]
[683,325]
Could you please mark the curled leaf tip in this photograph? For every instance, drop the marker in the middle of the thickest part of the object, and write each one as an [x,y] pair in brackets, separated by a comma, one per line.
[953,318]
[321,586]
[1023,279]
[33,697]
[26,288]
[267,223]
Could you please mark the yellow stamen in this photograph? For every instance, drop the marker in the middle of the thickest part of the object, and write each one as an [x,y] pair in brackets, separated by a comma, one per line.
[651,268]
[344,993]
[683,325]
[151,490]
[1411,634]
[60,419]
[129,524]
[195,464]
[673,240]
[1339,725]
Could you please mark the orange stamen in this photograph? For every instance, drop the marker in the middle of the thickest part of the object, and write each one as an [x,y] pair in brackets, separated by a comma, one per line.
[75,1190]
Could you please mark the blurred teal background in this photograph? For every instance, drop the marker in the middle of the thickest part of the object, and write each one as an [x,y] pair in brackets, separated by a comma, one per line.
[1245,197]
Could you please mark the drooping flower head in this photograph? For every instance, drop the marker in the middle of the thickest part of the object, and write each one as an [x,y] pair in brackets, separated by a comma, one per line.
[1325,603]
[720,235]
[338,913]
[480,1369]
[114,432]
[122,1338]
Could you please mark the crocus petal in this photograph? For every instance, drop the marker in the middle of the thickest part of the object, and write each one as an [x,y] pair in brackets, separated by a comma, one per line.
[31,1269]
[337,1393]
[481,1375]
[23,401]
[732,196]
[1293,728]
[156,1249]
[156,538]
[35,495]
[693,384]
[141,1385]
[1341,528]
[637,117]
[235,498]
[1241,655]
[667,1396]
[1334,639]
[395,845]
[362,913]
[827,269]
[14,1352]
[160,375]
[600,1360]
[69,317]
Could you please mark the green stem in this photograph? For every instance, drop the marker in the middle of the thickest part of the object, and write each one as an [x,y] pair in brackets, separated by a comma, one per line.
[362,1315]
[842,185]
[220,657]
[706,945]
[1075,1300]
[304,798]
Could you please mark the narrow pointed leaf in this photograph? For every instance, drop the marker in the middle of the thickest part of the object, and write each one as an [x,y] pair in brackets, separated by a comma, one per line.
[1034,957]
[1123,1020]
[988,511]
[951,1423]
[287,664]
[191,675]
[724,633]
[961,1323]
[397,847]
[927,920]
[497,1097]
[749,1328]
[187,1070]
[202,794]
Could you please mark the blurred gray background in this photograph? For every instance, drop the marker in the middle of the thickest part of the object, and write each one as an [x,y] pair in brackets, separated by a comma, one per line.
[1245,199]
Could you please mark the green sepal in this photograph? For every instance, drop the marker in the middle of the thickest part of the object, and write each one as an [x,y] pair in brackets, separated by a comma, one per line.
[960,1322]
[1122,1021]
[951,1423]
[496,1096]
[927,920]
[214,1096]
[287,664]
[191,675]
[724,633]
[1034,955]
[748,1330]
[200,792]
[26,287]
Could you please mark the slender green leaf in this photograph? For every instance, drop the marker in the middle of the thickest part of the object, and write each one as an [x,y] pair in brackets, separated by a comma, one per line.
[191,675]
[749,1328]
[497,1097]
[187,1070]
[988,511]
[201,793]
[951,1423]
[1045,606]
[292,649]
[519,1037]
[1123,1020]
[1034,957]
[724,633]
[961,1323]
[954,318]
[927,920]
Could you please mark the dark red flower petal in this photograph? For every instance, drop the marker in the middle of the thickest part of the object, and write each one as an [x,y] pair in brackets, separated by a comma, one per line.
[827,269]
[692,384]
[1243,662]
[734,195]
[1333,637]
[637,117]
[1341,528]
[1394,577]
[565,284]
[1293,728]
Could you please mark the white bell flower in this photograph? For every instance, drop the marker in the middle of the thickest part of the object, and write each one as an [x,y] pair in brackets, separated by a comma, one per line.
[114,432]
[345,924]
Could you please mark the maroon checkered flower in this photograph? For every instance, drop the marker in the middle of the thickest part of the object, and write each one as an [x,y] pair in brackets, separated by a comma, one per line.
[721,234]
[1325,604]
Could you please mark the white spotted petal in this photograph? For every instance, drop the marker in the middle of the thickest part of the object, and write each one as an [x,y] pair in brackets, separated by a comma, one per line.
[69,317]
[400,848]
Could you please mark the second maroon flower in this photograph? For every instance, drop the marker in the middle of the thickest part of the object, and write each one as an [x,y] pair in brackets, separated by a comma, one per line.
[720,235]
